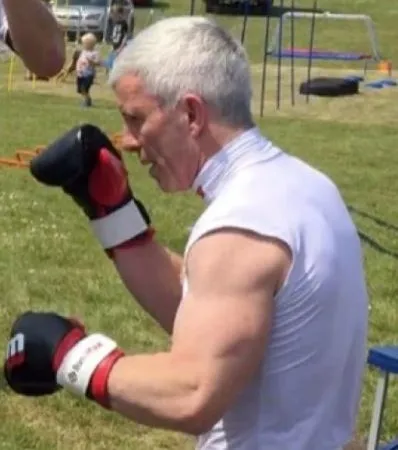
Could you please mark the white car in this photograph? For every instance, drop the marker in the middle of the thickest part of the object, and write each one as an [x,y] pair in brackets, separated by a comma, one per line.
[81,16]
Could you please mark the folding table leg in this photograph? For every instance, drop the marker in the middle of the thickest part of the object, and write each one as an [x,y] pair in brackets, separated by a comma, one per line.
[378,410]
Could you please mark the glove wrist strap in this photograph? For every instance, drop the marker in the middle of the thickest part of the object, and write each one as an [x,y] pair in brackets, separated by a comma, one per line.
[120,226]
[84,362]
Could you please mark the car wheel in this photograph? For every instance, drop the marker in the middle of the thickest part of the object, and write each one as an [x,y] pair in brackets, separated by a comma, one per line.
[71,35]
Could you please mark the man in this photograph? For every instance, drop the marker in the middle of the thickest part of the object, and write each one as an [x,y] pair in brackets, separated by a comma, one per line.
[268,331]
[119,31]
[29,28]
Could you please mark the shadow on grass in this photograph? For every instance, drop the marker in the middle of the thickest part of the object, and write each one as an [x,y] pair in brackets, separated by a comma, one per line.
[376,246]
[369,240]
[376,220]
[152,4]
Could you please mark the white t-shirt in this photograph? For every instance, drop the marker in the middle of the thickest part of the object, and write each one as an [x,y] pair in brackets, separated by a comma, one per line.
[306,395]
[85,65]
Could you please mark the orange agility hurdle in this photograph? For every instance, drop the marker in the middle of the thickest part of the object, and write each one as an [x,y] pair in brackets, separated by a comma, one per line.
[24,155]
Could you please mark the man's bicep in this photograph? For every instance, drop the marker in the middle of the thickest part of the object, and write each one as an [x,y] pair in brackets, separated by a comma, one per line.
[223,323]
[222,338]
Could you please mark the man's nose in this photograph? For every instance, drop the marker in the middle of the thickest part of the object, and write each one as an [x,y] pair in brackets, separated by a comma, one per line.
[129,142]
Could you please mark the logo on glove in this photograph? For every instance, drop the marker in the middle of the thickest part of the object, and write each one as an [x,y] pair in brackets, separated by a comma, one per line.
[73,374]
[16,351]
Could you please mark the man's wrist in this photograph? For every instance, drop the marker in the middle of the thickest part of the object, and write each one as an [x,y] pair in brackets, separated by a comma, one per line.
[86,367]
[120,226]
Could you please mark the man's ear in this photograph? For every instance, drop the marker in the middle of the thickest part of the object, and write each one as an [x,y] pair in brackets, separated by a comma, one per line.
[196,112]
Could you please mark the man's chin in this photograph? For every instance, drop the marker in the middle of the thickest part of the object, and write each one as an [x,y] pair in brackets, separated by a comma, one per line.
[171,188]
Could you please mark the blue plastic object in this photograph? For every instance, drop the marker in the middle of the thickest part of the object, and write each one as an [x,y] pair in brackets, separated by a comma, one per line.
[393,445]
[389,82]
[385,358]
[379,84]
[320,54]
[375,85]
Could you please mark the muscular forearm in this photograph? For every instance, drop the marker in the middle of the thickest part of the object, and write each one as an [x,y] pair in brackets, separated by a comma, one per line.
[152,274]
[36,36]
[156,391]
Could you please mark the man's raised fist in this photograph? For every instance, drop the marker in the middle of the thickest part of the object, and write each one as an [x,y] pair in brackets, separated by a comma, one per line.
[85,164]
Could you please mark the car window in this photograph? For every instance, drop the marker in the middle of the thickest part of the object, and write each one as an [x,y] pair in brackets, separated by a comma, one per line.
[101,3]
[124,3]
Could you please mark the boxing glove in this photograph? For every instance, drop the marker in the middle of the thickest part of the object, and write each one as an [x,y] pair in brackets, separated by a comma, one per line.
[47,352]
[85,164]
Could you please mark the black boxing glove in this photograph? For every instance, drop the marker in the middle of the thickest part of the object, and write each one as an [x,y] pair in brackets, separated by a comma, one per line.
[85,164]
[47,352]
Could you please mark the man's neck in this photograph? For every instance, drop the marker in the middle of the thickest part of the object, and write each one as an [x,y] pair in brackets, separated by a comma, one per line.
[216,139]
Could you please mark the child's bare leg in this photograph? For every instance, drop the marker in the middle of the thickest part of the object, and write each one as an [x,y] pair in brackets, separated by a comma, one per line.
[86,98]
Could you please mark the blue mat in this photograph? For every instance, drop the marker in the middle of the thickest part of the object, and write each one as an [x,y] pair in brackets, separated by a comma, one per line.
[320,54]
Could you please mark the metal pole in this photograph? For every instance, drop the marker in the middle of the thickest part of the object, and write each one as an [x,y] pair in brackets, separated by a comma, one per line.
[245,17]
[292,60]
[279,75]
[192,9]
[378,411]
[106,18]
[265,60]
[311,49]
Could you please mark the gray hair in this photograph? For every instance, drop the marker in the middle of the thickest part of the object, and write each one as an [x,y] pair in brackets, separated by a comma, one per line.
[178,55]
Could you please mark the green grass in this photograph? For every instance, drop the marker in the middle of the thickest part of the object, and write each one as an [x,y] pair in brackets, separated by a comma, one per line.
[49,259]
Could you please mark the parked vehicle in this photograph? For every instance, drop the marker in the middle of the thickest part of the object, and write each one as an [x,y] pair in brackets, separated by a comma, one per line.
[81,16]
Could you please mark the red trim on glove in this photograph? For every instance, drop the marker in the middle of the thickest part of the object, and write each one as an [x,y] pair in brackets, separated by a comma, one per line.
[141,239]
[15,360]
[111,169]
[99,382]
[69,341]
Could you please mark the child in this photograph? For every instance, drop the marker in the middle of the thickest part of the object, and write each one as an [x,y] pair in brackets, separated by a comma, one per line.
[118,34]
[86,64]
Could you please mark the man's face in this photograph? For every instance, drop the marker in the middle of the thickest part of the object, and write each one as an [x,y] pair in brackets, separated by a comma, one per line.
[166,139]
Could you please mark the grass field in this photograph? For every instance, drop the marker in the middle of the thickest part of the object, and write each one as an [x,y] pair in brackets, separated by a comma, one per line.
[49,259]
